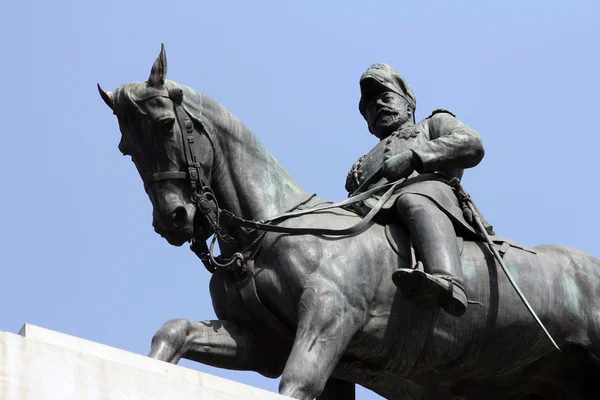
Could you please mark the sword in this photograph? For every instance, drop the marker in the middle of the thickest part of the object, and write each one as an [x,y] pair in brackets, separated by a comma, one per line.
[492,247]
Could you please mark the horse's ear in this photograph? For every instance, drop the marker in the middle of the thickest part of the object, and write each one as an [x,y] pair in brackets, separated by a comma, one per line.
[158,74]
[107,97]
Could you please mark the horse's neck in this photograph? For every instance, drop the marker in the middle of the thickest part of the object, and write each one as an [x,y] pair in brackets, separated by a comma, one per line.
[247,179]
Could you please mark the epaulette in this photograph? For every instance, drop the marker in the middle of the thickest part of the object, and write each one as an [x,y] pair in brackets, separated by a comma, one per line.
[441,110]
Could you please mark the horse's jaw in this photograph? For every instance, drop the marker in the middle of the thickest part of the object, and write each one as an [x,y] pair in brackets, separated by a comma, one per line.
[176,239]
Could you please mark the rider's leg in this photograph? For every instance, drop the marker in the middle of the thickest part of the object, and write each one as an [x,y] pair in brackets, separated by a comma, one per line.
[436,245]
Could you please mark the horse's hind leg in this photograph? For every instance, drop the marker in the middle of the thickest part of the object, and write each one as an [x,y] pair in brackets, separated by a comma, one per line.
[326,323]
[218,343]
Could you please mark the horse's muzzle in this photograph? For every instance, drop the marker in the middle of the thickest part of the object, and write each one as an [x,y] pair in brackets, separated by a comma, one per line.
[177,225]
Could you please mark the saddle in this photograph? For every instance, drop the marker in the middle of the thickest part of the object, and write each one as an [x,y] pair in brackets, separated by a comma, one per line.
[395,233]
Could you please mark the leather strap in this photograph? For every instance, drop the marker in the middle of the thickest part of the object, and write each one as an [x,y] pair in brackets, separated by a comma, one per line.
[162,176]
[194,171]
[391,188]
[195,174]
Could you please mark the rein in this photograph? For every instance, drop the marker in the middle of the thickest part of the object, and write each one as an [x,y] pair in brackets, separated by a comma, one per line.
[239,259]
[202,195]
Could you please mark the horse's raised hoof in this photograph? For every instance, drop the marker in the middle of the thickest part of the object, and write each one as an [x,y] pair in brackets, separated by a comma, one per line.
[422,288]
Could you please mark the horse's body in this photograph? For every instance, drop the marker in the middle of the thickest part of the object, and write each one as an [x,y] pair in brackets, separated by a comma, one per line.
[336,296]
[495,351]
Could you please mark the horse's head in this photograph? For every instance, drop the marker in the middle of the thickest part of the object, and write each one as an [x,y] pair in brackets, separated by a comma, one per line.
[160,135]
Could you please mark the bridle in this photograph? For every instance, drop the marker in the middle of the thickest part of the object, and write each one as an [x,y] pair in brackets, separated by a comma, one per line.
[201,193]
[194,173]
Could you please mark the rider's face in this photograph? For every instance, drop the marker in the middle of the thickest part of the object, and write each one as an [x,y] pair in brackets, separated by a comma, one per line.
[386,112]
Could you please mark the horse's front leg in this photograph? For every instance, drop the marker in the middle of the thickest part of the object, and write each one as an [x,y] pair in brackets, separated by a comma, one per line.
[326,323]
[218,343]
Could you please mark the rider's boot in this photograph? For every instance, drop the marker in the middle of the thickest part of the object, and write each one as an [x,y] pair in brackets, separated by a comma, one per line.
[441,282]
[423,288]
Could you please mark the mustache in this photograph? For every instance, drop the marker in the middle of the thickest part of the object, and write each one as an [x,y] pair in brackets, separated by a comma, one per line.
[386,110]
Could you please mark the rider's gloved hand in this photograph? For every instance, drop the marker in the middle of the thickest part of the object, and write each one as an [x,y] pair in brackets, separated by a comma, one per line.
[400,166]
[352,178]
[351,184]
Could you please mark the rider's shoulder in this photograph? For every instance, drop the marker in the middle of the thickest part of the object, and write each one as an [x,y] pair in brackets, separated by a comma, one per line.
[439,119]
[440,112]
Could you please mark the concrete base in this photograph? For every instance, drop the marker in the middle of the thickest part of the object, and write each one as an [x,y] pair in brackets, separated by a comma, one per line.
[43,364]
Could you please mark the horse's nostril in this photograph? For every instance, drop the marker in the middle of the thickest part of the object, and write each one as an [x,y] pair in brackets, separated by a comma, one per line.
[179,217]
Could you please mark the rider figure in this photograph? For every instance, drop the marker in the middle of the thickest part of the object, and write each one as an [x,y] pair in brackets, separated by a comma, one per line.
[428,153]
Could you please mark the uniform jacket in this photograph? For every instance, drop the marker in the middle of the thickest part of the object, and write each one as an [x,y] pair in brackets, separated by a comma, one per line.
[442,143]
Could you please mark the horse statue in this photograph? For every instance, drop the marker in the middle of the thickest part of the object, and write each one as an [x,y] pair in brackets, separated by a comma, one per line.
[314,308]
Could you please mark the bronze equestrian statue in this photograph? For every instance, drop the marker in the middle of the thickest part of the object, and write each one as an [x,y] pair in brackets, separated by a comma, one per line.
[302,287]
[429,154]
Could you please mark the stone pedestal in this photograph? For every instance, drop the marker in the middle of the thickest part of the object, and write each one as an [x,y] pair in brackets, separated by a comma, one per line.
[40,364]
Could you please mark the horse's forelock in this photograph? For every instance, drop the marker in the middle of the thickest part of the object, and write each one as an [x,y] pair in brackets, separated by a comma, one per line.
[126,98]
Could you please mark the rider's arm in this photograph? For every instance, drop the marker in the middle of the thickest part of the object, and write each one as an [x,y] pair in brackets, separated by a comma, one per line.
[452,145]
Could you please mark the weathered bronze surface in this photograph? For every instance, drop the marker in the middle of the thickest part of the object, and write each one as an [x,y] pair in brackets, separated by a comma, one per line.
[312,307]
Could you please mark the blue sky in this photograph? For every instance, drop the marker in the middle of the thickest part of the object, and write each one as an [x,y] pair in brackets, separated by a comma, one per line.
[78,251]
